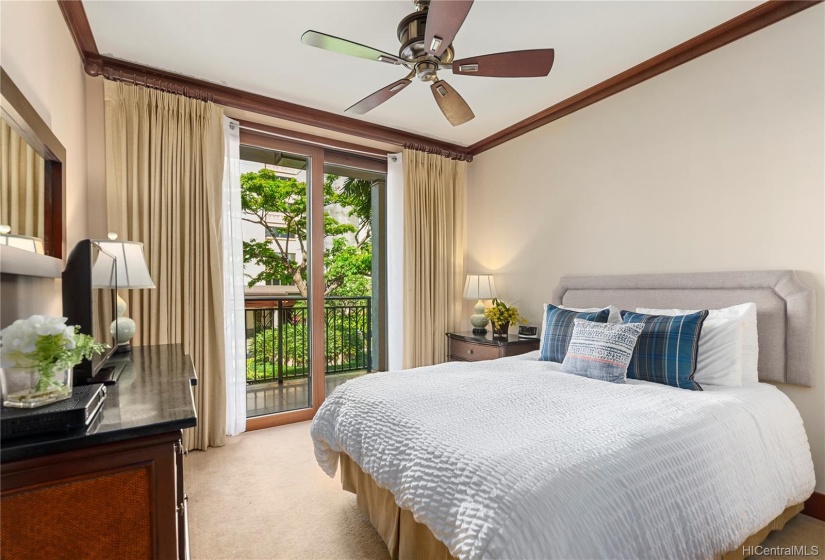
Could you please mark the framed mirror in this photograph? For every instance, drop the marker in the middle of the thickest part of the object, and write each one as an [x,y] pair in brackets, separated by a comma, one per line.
[32,177]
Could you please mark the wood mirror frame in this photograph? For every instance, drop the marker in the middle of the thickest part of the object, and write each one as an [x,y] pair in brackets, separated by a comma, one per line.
[42,139]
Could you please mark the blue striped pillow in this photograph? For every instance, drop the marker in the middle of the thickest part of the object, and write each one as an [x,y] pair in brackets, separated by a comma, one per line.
[667,348]
[558,329]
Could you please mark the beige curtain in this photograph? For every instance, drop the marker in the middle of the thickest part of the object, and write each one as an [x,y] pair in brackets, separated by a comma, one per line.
[434,239]
[21,184]
[164,169]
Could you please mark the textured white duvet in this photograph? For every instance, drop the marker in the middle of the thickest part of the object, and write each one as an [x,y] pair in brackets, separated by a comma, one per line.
[513,459]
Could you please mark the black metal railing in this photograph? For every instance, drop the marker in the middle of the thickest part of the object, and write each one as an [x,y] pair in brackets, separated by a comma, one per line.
[277,337]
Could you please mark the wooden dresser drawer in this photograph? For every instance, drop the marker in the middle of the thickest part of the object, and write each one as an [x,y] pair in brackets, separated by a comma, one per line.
[472,352]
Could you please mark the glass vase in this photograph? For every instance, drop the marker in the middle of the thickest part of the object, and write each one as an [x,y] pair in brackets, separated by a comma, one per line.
[30,388]
[501,330]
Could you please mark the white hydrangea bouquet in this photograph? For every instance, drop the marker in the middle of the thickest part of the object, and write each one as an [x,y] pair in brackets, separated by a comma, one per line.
[37,356]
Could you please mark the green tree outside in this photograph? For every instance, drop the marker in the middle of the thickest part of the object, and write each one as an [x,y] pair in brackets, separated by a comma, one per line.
[347,265]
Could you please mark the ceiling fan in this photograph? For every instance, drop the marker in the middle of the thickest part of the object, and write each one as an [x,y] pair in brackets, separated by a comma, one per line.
[426,37]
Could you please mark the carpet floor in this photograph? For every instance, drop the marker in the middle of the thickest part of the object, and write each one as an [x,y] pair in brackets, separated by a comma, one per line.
[263,497]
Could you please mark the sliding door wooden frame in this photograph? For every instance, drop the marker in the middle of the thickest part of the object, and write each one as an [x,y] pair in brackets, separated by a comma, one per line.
[315,302]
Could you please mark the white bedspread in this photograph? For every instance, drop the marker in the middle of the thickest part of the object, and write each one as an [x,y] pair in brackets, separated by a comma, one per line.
[512,459]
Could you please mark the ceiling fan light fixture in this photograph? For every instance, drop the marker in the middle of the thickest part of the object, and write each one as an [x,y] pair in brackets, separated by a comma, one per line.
[436,43]
[468,68]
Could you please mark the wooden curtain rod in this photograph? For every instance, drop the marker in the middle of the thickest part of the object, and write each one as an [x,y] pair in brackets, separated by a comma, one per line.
[119,70]
[157,84]
[439,151]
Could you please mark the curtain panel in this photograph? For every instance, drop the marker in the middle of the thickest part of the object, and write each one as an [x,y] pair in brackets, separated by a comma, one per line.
[164,174]
[22,174]
[434,246]
[234,285]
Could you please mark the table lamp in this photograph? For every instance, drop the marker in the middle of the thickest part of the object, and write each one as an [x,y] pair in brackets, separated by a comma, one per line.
[479,287]
[25,242]
[132,274]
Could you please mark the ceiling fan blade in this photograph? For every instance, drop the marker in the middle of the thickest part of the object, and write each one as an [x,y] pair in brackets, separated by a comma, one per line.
[373,100]
[451,103]
[343,46]
[444,19]
[516,64]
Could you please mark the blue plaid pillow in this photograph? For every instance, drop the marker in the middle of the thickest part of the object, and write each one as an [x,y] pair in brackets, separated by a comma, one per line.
[558,329]
[667,348]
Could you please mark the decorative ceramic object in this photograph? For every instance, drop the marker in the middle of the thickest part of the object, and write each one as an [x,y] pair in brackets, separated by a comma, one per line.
[478,320]
[122,328]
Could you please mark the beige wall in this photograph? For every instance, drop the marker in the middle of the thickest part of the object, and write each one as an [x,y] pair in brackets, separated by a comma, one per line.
[96,160]
[716,165]
[38,53]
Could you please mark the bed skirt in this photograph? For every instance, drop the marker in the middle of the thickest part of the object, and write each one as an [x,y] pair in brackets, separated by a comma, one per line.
[407,539]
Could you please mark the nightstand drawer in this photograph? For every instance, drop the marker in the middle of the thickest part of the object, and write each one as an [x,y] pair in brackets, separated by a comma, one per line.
[473,352]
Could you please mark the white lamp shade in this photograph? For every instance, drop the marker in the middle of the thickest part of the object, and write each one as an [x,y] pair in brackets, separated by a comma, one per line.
[25,242]
[132,272]
[480,286]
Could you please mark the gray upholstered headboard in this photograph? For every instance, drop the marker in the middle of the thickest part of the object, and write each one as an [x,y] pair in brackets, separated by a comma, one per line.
[786,317]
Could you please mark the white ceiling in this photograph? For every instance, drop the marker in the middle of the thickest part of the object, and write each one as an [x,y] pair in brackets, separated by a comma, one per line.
[255,46]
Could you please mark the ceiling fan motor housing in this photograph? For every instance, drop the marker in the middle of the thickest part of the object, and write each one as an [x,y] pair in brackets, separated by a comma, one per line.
[411,35]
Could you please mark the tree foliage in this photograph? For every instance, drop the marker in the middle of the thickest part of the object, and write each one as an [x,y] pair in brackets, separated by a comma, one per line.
[347,265]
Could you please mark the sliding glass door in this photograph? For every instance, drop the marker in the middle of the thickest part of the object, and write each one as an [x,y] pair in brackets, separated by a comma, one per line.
[354,289]
[282,203]
[315,283]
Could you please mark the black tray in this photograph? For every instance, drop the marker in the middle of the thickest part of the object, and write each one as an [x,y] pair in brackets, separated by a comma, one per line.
[74,413]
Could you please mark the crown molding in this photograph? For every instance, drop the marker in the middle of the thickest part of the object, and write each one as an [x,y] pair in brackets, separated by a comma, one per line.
[749,22]
[78,23]
[753,20]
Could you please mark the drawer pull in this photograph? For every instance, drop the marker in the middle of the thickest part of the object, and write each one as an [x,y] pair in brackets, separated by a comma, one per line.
[469,351]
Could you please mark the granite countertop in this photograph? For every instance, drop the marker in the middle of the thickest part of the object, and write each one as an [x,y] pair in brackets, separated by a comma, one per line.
[153,395]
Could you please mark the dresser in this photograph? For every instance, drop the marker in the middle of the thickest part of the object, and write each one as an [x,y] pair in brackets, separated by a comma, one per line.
[469,347]
[115,490]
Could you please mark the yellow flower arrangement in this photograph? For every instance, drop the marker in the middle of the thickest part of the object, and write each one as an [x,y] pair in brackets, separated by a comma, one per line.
[501,313]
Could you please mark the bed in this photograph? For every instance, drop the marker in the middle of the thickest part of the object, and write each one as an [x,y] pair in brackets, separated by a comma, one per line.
[512,458]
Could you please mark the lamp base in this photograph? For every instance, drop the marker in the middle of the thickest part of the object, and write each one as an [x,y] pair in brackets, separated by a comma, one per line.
[124,348]
[122,329]
[478,320]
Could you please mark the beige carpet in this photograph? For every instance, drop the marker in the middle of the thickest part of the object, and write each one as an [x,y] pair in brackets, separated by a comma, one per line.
[263,496]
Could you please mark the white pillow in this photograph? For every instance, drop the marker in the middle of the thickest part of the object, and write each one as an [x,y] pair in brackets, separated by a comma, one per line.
[728,345]
[614,317]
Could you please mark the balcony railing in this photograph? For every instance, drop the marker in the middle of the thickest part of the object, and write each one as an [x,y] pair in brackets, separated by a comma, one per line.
[277,337]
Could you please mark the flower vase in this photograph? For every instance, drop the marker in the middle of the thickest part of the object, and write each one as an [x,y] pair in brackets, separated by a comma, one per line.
[501,330]
[29,387]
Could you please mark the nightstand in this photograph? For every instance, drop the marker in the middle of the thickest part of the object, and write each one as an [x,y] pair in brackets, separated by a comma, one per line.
[469,347]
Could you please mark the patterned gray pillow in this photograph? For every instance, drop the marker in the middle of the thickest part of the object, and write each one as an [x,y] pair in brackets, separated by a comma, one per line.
[601,350]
